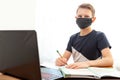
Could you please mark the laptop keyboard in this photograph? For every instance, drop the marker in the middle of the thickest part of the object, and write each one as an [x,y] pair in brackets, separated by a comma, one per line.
[50,74]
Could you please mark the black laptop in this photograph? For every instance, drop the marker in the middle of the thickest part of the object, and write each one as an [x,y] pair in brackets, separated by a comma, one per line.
[19,55]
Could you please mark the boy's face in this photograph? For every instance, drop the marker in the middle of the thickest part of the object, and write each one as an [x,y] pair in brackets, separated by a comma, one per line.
[83,13]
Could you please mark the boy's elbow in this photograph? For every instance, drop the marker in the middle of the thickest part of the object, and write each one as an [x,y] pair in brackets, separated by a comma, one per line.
[110,62]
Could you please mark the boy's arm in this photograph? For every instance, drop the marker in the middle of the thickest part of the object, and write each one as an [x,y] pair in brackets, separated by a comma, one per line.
[106,60]
[67,55]
[61,61]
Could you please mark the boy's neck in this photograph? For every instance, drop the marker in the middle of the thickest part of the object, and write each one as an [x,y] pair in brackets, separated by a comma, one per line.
[85,31]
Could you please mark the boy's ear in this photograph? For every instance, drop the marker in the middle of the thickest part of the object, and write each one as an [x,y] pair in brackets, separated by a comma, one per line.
[93,19]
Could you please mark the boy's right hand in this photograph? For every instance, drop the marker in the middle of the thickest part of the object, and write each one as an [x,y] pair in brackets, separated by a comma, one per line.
[61,61]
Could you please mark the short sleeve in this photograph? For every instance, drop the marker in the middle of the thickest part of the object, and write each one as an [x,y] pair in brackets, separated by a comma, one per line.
[102,41]
[69,45]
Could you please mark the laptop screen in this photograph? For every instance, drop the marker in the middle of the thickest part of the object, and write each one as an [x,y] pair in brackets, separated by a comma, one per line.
[19,55]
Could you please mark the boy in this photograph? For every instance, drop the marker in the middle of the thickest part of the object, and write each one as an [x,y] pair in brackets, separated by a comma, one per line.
[89,48]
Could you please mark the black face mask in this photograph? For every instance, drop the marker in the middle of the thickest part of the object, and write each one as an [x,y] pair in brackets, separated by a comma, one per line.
[83,22]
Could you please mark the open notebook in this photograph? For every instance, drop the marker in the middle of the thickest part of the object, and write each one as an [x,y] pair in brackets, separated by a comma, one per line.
[90,72]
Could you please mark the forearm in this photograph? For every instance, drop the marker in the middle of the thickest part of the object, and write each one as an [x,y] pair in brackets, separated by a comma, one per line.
[67,55]
[104,62]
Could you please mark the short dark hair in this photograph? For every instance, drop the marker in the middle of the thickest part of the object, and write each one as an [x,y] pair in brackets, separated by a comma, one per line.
[87,6]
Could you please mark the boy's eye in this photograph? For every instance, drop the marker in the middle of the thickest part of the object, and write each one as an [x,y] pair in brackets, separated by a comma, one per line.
[86,16]
[80,16]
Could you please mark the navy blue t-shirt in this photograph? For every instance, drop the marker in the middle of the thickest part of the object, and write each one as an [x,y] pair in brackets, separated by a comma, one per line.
[90,45]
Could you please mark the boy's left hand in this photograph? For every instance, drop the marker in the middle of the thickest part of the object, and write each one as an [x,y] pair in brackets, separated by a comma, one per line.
[78,65]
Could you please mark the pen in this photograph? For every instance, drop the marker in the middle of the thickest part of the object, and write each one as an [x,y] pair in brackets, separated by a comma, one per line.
[60,55]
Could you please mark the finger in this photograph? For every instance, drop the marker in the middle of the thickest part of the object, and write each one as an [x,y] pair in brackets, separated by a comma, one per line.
[60,62]
[71,66]
[63,60]
[77,67]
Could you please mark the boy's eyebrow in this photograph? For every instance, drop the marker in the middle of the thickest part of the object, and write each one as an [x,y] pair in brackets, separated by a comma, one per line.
[83,15]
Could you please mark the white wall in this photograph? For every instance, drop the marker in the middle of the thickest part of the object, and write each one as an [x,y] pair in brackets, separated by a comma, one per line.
[17,14]
[56,22]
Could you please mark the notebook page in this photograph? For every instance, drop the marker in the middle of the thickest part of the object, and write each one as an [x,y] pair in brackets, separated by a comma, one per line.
[102,72]
[76,72]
